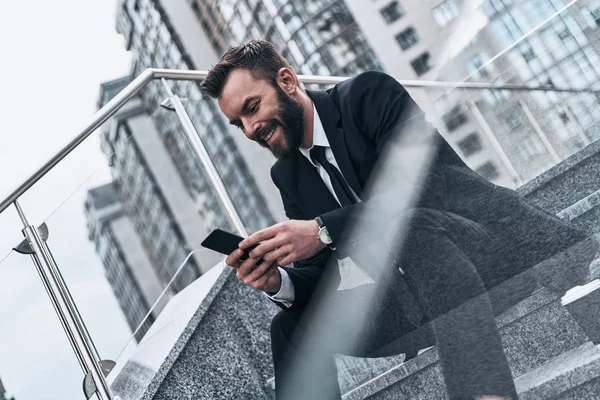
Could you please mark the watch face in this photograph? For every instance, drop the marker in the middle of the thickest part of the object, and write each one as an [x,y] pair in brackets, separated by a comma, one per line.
[324,236]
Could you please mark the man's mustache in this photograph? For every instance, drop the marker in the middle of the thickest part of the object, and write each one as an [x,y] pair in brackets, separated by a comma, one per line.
[262,133]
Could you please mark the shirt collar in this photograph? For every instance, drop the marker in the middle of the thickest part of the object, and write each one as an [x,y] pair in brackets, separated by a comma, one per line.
[319,136]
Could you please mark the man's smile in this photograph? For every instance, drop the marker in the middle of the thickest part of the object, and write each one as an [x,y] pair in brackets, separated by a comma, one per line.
[270,134]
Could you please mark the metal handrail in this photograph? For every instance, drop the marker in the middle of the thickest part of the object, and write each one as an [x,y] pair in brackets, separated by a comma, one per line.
[150,74]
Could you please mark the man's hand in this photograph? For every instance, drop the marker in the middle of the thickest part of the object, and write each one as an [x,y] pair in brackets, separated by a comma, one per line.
[265,277]
[286,242]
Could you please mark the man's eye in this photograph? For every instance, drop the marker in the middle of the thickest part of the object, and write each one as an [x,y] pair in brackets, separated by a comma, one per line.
[254,107]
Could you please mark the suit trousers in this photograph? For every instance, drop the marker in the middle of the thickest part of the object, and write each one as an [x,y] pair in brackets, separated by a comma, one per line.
[439,261]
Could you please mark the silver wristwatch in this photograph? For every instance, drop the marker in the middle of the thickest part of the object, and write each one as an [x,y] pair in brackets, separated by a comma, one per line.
[324,236]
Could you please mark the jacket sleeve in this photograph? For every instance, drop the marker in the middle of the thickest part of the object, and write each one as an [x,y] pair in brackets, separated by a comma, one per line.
[383,112]
[305,274]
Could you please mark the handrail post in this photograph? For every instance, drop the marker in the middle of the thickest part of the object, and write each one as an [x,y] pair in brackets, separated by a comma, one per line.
[65,308]
[211,171]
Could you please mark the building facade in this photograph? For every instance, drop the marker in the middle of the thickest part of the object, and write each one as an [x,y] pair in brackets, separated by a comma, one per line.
[128,268]
[317,37]
[508,137]
[153,193]
[167,35]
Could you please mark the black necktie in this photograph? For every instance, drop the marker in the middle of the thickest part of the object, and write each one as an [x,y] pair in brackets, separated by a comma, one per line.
[340,187]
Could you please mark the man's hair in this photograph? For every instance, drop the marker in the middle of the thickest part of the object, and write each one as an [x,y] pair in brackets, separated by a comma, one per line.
[259,56]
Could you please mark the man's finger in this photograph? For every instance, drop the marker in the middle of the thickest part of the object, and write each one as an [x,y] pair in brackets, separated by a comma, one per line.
[266,246]
[259,271]
[258,237]
[263,281]
[288,259]
[278,253]
[247,266]
[233,259]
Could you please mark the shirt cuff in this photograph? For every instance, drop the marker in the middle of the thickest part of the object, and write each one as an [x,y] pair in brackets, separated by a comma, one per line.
[286,293]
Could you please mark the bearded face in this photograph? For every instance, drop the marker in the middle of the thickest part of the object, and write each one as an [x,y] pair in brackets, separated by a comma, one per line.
[264,111]
[291,124]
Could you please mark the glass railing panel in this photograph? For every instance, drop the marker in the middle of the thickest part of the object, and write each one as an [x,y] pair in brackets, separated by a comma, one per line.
[148,353]
[37,360]
[127,236]
[551,47]
[10,231]
[513,136]
[106,214]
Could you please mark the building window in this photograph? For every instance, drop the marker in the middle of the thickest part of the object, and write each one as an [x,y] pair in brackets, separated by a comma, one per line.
[563,35]
[495,96]
[488,170]
[513,121]
[530,147]
[421,64]
[470,144]
[493,7]
[454,118]
[474,66]
[445,12]
[528,54]
[392,12]
[407,38]
[591,14]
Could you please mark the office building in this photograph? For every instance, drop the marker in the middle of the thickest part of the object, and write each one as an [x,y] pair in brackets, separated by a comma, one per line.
[317,37]
[128,268]
[508,137]
[168,35]
[153,194]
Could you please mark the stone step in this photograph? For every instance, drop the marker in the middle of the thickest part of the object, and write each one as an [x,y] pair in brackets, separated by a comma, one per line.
[573,375]
[535,331]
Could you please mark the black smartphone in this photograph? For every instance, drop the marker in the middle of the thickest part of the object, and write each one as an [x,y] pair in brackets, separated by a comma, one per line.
[225,242]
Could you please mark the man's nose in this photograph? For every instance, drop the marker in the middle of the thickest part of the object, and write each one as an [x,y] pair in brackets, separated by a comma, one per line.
[251,129]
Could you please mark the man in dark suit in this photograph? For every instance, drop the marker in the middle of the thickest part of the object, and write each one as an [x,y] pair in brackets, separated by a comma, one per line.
[434,246]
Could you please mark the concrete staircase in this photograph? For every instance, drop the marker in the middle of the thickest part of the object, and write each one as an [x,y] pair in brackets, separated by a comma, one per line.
[550,347]
[212,341]
[547,350]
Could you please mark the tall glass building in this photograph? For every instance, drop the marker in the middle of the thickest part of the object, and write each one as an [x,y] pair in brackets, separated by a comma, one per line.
[128,269]
[153,194]
[540,43]
[508,137]
[317,37]
[154,42]
[539,129]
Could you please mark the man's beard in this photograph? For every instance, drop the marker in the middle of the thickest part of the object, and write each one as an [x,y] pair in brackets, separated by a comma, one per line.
[291,121]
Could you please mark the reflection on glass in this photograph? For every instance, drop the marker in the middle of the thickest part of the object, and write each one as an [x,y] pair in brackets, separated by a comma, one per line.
[535,129]
[119,243]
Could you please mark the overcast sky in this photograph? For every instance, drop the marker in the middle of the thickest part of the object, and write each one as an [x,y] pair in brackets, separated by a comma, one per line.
[55,54]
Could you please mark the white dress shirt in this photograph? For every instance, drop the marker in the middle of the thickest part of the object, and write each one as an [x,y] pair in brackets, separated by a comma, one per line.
[286,293]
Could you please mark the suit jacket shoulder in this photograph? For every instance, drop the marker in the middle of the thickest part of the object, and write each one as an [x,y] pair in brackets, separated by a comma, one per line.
[351,93]
[279,170]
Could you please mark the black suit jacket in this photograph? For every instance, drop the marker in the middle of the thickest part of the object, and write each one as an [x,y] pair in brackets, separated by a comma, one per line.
[360,117]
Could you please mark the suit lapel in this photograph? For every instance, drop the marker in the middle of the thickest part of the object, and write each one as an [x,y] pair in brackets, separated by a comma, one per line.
[330,117]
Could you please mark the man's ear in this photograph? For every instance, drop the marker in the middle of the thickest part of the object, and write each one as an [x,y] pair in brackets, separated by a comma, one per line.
[287,80]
